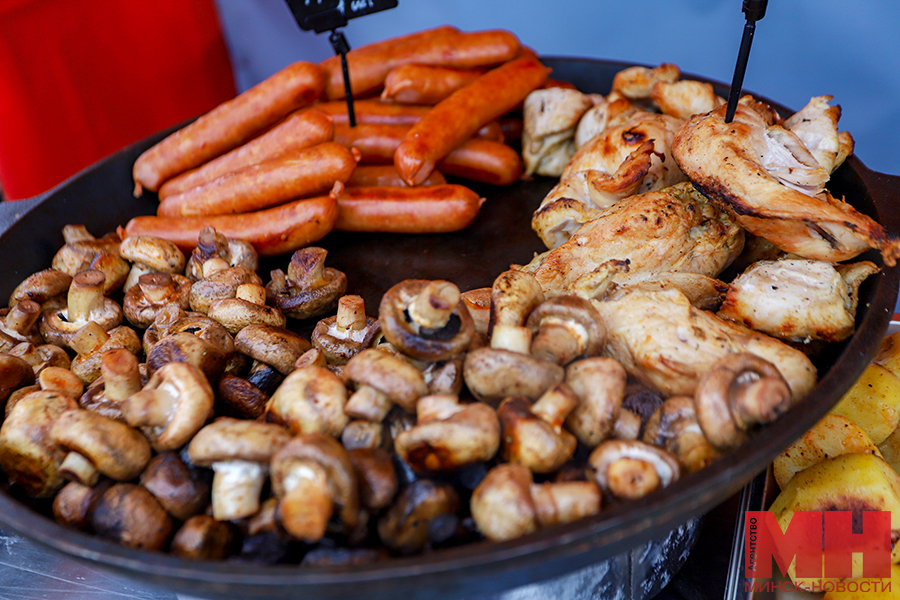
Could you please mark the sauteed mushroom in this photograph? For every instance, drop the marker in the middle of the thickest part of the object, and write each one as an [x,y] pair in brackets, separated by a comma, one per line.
[86,303]
[81,247]
[228,252]
[309,288]
[44,287]
[533,435]
[674,427]
[375,475]
[91,343]
[275,346]
[218,285]
[130,515]
[248,307]
[179,488]
[191,349]
[404,528]
[347,333]
[202,537]
[121,375]
[20,325]
[151,293]
[630,469]
[14,374]
[492,374]
[566,327]
[599,383]
[309,400]
[74,505]
[382,380]
[740,391]
[150,254]
[514,294]
[58,379]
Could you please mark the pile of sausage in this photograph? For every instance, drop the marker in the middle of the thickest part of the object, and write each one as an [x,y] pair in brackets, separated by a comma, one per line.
[280,165]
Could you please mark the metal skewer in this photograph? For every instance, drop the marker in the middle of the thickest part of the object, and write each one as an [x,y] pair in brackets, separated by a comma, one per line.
[754,10]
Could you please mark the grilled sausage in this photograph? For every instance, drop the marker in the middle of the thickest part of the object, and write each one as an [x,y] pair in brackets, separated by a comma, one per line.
[377,143]
[228,125]
[455,119]
[425,84]
[484,161]
[431,209]
[386,175]
[274,231]
[297,174]
[299,130]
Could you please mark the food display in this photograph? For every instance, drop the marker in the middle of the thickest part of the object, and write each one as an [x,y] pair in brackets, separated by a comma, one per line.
[302,424]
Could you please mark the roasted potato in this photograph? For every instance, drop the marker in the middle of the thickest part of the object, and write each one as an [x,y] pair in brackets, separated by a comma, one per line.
[873,402]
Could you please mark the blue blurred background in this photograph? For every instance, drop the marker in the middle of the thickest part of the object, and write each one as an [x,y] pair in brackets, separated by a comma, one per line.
[802,48]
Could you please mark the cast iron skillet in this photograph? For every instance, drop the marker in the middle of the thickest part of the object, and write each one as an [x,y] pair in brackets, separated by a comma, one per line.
[101,198]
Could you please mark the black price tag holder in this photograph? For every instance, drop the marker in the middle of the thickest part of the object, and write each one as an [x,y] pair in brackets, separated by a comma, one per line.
[754,10]
[329,15]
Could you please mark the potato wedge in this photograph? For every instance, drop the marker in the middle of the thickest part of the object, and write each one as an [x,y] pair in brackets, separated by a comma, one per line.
[832,436]
[873,402]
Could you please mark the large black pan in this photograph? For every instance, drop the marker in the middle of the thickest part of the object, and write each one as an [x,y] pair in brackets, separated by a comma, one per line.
[101,198]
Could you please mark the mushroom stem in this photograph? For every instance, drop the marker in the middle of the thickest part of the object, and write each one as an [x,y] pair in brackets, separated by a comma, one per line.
[89,338]
[759,399]
[558,342]
[22,316]
[151,407]
[368,403]
[214,265]
[156,287]
[562,502]
[307,268]
[351,313]
[555,405]
[121,374]
[78,468]
[236,487]
[627,425]
[306,507]
[631,478]
[432,307]
[251,292]
[514,338]
[85,295]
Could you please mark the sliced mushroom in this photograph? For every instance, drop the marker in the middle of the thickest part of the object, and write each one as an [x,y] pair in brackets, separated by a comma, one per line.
[599,384]
[229,252]
[347,333]
[630,469]
[172,406]
[514,294]
[507,504]
[152,293]
[533,435]
[381,380]
[311,475]
[448,435]
[566,327]
[310,400]
[674,427]
[739,392]
[404,528]
[182,490]
[28,455]
[130,515]
[239,453]
[309,289]
[492,374]
[98,445]
[426,319]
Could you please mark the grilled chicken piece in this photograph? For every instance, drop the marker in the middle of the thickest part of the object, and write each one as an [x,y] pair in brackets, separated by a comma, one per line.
[636,83]
[624,160]
[816,126]
[798,299]
[668,344]
[610,111]
[673,230]
[685,98]
[549,120]
[775,187]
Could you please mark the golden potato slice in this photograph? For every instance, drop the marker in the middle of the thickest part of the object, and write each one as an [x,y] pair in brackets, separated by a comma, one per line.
[888,354]
[873,402]
[832,436]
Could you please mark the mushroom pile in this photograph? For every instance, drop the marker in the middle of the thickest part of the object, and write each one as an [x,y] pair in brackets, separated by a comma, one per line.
[168,403]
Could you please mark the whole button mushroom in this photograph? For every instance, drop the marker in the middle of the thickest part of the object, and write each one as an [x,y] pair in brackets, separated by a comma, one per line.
[405,526]
[174,404]
[149,254]
[312,475]
[44,287]
[492,374]
[152,292]
[566,327]
[448,435]
[92,342]
[130,515]
[202,537]
[74,505]
[599,384]
[182,490]
[236,397]
[376,476]
[86,303]
[426,319]
[478,303]
[172,320]
[114,267]
[674,427]
[381,381]
[274,346]
[631,469]
[310,400]
[81,247]
[98,445]
[507,504]
[215,247]
[218,286]
[514,294]
[239,453]
[188,348]
[248,307]
[28,455]
[739,392]
[41,356]
[19,324]
[309,289]
[533,435]
[347,333]
[14,374]
[121,375]
[58,379]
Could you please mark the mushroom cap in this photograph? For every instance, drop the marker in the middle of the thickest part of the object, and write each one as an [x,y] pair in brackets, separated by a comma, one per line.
[310,289]
[310,400]
[599,383]
[187,348]
[404,334]
[603,456]
[274,346]
[404,526]
[158,254]
[129,514]
[392,376]
[340,345]
[376,476]
[202,537]
[236,313]
[219,285]
[41,286]
[140,305]
[502,505]
[492,374]
[236,397]
[115,449]
[328,453]
[74,505]
[14,373]
[28,455]
[87,365]
[80,249]
[578,316]
[530,440]
[187,390]
[210,243]
[227,439]
[177,487]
